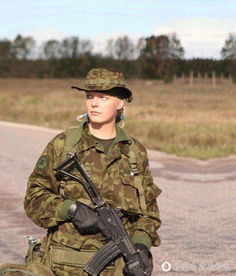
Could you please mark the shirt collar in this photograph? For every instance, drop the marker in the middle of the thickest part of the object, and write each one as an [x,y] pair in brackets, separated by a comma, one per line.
[121,136]
[88,142]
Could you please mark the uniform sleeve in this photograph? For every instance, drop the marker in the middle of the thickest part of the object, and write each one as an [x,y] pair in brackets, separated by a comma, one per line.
[42,201]
[148,224]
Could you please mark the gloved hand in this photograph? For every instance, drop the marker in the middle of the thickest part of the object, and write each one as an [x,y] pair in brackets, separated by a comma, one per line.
[146,258]
[84,218]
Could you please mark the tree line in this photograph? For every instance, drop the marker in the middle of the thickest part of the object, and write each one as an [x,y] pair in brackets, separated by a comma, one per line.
[153,57]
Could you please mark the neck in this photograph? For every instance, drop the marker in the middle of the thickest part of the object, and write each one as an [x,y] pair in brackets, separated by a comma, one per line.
[104,130]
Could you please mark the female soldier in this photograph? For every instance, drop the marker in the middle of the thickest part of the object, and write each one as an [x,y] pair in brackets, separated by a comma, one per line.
[118,166]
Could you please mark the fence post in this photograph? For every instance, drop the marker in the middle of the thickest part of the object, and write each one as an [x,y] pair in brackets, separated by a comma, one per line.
[214,78]
[191,78]
[206,76]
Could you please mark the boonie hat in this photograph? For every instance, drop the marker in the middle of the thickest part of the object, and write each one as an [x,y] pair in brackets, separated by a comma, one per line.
[106,80]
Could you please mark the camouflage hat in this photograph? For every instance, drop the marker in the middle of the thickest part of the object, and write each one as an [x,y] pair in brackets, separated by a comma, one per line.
[109,81]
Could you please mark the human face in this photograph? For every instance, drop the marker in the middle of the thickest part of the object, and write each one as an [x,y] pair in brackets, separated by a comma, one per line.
[102,108]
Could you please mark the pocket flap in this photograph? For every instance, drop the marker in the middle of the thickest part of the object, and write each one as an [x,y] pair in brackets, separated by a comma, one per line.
[62,255]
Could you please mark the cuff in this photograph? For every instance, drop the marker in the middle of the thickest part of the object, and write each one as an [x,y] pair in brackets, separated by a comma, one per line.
[143,238]
[64,209]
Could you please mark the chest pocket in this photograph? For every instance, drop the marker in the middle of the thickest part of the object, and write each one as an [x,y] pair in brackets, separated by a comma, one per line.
[132,193]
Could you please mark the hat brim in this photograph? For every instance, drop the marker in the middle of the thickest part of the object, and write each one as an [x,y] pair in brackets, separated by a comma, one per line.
[117,91]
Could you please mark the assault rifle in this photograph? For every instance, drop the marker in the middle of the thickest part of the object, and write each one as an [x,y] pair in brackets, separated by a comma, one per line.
[119,243]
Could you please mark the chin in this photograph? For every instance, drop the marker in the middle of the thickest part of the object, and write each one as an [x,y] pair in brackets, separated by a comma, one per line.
[96,120]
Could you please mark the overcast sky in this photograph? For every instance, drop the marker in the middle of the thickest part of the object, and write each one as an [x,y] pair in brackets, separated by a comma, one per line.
[201,25]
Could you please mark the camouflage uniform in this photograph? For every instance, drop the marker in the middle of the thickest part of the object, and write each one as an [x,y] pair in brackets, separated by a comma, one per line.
[65,250]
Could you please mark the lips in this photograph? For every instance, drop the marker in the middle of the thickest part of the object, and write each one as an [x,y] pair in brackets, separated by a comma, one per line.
[95,112]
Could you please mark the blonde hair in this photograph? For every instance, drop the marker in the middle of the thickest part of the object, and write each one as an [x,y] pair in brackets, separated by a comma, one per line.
[119,117]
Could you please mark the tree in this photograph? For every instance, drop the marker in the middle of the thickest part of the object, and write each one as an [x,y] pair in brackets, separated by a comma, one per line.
[51,49]
[69,47]
[159,54]
[229,50]
[110,48]
[121,48]
[74,47]
[22,47]
[85,47]
[228,53]
[163,47]
[124,48]
[5,49]
[140,45]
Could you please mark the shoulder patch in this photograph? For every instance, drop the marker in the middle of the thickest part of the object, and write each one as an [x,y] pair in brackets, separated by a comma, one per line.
[42,162]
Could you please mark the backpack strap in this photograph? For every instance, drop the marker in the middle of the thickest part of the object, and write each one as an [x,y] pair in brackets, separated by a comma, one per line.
[69,148]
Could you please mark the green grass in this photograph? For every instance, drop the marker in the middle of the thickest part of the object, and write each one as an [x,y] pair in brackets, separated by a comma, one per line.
[200,141]
[192,121]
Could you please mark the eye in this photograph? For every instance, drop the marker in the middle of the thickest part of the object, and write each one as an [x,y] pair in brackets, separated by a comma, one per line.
[89,96]
[105,98]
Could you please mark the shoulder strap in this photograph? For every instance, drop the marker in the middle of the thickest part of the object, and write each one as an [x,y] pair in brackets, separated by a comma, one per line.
[133,159]
[69,148]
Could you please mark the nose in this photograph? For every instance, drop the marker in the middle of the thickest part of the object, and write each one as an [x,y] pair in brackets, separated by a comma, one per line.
[95,101]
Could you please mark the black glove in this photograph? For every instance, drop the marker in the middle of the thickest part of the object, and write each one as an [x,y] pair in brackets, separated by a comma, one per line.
[146,258]
[84,218]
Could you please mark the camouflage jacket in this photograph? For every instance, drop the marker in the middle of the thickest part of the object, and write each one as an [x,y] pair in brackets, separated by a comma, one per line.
[111,176]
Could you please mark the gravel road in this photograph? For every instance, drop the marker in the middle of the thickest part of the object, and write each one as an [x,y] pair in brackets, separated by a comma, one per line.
[197,205]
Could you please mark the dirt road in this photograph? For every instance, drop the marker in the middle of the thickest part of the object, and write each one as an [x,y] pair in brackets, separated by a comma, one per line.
[197,206]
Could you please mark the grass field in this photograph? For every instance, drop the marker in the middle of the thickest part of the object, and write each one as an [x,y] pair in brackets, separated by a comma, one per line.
[193,121]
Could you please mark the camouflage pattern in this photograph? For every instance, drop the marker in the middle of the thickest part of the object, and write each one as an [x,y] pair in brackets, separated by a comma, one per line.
[112,176]
[102,79]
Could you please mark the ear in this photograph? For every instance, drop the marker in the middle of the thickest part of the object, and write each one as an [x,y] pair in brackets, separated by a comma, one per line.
[120,104]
